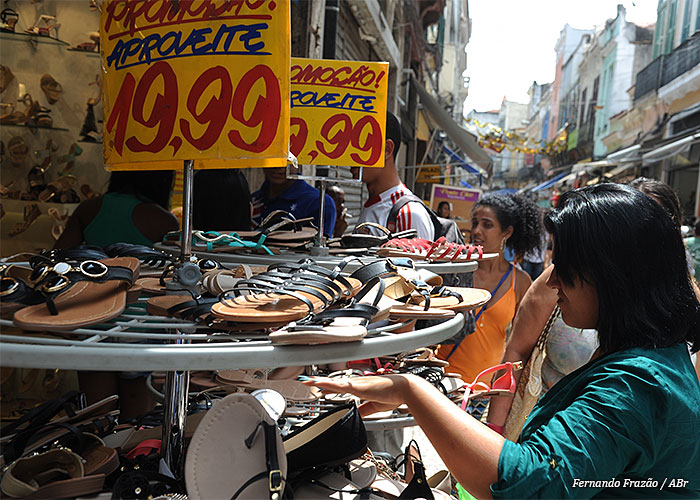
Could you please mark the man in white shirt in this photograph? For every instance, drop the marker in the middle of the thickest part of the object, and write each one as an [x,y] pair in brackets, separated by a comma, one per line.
[385,188]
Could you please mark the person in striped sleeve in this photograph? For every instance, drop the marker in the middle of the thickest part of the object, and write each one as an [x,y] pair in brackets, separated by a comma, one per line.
[385,188]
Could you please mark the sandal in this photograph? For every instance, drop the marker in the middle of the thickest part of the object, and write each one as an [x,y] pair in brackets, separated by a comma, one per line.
[283,227]
[78,296]
[214,241]
[17,150]
[45,30]
[31,213]
[89,132]
[253,464]
[6,76]
[54,190]
[14,289]
[147,255]
[286,292]
[42,476]
[69,159]
[51,88]
[361,238]
[345,324]
[37,180]
[59,221]
[505,384]
[438,251]
[8,20]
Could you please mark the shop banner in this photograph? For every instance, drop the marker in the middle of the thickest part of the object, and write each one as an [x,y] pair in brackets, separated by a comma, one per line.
[338,114]
[461,202]
[204,80]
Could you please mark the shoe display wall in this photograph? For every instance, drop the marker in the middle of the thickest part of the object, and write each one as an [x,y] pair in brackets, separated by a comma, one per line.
[48,94]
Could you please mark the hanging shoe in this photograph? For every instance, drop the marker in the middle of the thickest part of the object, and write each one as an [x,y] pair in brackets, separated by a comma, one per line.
[31,213]
[89,132]
[17,150]
[6,76]
[8,18]
[59,221]
[51,88]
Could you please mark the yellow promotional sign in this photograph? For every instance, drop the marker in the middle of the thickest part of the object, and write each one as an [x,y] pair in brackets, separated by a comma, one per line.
[338,114]
[204,80]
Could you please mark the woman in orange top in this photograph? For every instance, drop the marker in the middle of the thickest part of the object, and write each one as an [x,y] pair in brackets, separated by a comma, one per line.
[498,222]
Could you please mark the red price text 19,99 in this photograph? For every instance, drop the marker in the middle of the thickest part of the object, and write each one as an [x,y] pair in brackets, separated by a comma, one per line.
[252,131]
[337,133]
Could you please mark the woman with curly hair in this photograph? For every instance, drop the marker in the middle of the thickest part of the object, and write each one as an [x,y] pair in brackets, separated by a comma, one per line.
[498,222]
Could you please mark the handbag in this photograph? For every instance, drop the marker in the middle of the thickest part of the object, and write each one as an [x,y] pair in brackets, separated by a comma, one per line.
[529,386]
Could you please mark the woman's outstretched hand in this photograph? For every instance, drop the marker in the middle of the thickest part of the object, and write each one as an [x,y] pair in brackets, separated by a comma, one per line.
[380,392]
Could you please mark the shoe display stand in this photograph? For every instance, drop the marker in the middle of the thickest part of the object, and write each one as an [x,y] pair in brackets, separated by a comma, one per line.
[139,342]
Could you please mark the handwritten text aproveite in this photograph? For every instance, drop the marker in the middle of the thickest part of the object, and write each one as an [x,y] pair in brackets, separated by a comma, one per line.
[200,79]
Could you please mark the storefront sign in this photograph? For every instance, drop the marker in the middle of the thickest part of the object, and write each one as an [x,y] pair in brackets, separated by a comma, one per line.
[461,202]
[202,80]
[338,114]
[427,175]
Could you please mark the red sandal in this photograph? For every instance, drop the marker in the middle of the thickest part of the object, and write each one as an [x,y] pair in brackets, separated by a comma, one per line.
[505,384]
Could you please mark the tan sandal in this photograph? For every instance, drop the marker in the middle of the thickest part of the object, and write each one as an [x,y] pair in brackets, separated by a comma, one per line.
[51,88]
[92,293]
[31,213]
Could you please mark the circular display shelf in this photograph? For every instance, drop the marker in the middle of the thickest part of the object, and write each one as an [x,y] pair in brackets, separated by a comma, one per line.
[139,342]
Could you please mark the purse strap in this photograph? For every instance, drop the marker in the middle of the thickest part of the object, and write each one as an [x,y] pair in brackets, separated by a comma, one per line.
[547,327]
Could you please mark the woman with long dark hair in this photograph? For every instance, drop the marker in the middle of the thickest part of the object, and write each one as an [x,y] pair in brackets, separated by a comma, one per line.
[623,425]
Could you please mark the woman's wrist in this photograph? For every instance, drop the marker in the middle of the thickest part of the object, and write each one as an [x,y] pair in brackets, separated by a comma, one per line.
[497,428]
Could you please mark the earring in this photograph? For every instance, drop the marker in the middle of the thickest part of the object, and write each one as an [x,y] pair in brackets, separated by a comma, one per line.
[503,244]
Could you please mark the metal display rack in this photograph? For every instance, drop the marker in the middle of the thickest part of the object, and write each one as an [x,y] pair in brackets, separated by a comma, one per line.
[107,348]
[178,346]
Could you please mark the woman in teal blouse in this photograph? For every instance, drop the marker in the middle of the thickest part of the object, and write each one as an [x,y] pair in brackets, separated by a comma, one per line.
[626,423]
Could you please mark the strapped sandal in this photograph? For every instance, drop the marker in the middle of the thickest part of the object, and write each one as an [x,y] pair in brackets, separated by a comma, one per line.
[72,255]
[252,465]
[361,239]
[42,476]
[76,296]
[214,241]
[51,88]
[9,18]
[6,75]
[17,150]
[438,251]
[275,295]
[15,292]
[505,384]
[31,214]
[282,226]
[147,255]
[345,324]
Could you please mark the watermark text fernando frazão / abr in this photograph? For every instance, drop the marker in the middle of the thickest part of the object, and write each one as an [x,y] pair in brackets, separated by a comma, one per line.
[631,483]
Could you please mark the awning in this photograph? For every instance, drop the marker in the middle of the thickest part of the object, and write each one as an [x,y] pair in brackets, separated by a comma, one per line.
[669,150]
[565,179]
[549,182]
[465,141]
[628,154]
[460,161]
[466,184]
[618,170]
[590,165]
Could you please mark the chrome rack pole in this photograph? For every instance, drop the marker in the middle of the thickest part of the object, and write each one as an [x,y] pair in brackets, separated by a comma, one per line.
[177,382]
[320,248]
